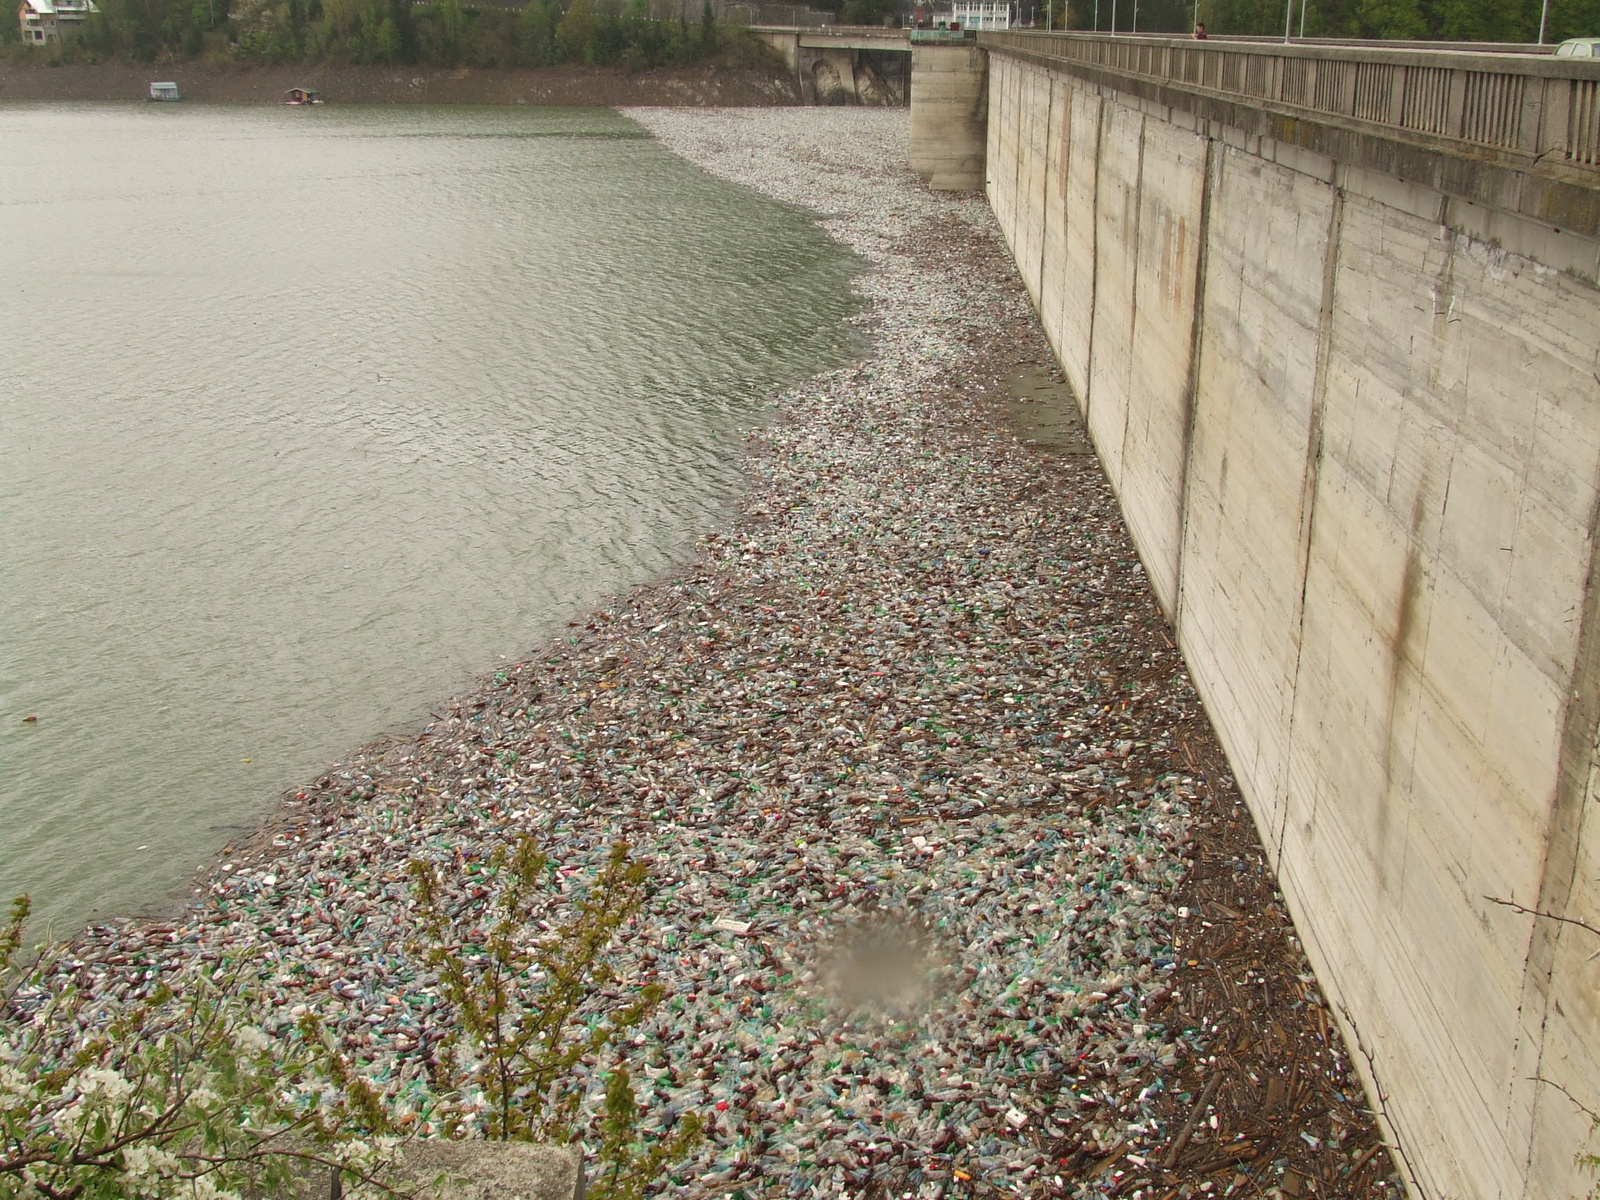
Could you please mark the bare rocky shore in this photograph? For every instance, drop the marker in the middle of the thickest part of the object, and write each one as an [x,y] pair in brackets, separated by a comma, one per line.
[954,894]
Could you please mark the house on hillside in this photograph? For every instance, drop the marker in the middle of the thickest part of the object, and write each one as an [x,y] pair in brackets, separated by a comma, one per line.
[45,21]
[968,14]
[982,14]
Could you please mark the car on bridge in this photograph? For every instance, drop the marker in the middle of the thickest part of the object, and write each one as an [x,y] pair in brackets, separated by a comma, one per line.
[1579,48]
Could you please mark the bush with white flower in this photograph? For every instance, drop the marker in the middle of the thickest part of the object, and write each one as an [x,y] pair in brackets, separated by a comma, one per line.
[187,1094]
[180,1095]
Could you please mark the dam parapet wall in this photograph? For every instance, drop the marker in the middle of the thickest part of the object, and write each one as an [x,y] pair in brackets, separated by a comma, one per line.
[1332,322]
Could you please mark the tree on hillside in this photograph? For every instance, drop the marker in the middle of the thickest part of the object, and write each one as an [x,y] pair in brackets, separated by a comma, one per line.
[1399,20]
[1482,20]
[536,32]
[577,34]
[388,42]
[866,12]
[340,18]
[1165,16]
[1571,18]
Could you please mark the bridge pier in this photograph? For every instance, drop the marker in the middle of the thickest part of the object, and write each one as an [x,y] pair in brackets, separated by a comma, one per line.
[949,114]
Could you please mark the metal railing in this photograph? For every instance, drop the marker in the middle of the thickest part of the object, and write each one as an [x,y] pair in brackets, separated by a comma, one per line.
[1528,104]
[936,37]
[842,32]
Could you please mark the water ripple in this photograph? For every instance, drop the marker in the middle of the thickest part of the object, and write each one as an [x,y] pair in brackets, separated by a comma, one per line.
[307,420]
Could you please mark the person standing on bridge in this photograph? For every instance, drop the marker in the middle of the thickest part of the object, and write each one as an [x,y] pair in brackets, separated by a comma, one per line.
[1200,31]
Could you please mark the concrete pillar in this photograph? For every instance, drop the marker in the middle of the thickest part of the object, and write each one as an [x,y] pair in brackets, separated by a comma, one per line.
[949,115]
[785,41]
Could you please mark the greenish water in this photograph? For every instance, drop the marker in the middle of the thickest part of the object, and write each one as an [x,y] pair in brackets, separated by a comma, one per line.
[308,417]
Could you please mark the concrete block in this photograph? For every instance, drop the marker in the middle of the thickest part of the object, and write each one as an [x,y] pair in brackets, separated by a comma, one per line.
[470,1170]
[949,115]
[1523,236]
[998,70]
[1083,173]
[1186,121]
[1172,185]
[1033,152]
[1053,280]
[1238,139]
[1308,162]
[1116,259]
[1252,429]
[1398,194]
[1009,147]
[494,1171]
[1567,1082]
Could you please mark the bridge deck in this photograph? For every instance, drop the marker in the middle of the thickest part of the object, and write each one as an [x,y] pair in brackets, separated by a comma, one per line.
[841,37]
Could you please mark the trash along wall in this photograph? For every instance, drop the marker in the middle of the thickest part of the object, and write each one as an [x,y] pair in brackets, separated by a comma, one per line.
[1358,446]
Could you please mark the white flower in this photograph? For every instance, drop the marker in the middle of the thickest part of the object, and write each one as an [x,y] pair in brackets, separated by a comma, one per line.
[16,1089]
[205,1188]
[69,1118]
[147,1162]
[251,1039]
[104,1082]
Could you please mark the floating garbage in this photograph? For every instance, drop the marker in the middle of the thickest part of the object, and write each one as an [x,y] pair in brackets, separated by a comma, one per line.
[896,749]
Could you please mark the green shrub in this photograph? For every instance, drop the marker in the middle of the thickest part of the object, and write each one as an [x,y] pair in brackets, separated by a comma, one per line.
[523,1021]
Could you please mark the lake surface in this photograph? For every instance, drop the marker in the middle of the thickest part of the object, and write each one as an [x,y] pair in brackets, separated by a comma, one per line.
[308,417]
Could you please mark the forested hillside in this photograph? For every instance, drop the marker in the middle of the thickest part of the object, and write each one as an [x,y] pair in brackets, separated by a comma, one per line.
[392,32]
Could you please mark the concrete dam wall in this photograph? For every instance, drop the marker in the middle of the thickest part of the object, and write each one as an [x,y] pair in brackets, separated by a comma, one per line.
[1354,423]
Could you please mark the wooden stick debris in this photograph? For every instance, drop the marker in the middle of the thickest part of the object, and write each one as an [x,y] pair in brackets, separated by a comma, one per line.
[1195,1114]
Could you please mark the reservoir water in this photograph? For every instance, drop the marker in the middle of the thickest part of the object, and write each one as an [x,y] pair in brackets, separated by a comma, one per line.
[307,417]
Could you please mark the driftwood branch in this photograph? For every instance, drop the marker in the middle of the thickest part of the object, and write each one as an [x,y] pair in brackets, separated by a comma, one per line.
[1195,1114]
[1539,912]
[1576,1103]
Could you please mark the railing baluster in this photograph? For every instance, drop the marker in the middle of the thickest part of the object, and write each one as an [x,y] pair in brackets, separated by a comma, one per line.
[1455,88]
[1583,122]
